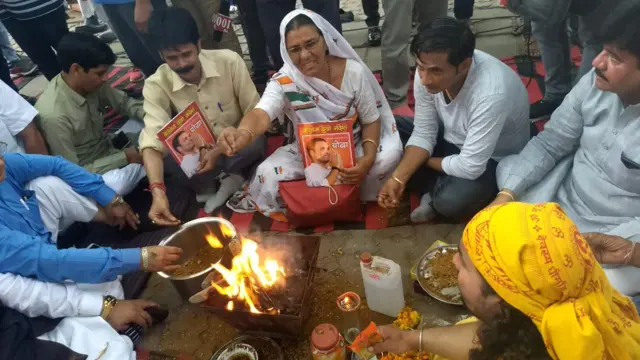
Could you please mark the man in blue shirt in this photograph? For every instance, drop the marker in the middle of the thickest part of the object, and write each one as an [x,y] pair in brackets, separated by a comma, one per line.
[29,210]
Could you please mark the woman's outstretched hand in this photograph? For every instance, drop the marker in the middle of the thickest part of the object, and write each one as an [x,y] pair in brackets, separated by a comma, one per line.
[232,140]
[395,341]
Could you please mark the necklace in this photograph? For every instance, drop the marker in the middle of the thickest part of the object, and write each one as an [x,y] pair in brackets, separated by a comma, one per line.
[329,64]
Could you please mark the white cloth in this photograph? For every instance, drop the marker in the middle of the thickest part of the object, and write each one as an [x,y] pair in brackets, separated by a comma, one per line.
[90,336]
[123,181]
[59,205]
[320,102]
[488,119]
[189,164]
[15,114]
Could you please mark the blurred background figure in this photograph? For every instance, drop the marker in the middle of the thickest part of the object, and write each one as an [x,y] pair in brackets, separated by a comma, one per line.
[17,65]
[396,32]
[37,27]
[371,10]
[137,44]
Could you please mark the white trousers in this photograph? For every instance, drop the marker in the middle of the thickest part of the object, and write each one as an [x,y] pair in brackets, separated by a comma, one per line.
[60,206]
[124,180]
[93,335]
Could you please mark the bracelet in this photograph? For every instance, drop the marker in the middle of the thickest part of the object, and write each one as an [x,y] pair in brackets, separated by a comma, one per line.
[420,340]
[506,193]
[249,131]
[394,178]
[371,141]
[158,185]
[144,254]
[108,303]
[629,255]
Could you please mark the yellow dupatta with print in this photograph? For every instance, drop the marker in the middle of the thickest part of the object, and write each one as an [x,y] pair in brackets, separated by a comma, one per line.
[537,261]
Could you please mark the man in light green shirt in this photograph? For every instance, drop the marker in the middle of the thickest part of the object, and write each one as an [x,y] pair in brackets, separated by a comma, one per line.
[71,113]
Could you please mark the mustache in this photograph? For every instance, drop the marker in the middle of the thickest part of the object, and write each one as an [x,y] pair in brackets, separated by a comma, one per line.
[184,69]
[601,75]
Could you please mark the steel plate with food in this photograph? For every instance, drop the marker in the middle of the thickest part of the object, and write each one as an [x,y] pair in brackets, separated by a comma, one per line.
[438,275]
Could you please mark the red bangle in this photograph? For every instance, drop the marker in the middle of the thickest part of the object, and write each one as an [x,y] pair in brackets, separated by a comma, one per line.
[158,185]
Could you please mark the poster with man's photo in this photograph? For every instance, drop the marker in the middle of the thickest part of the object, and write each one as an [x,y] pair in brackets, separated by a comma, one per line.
[185,135]
[327,148]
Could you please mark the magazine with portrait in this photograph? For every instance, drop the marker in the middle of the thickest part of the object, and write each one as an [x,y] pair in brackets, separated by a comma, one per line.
[185,135]
[327,148]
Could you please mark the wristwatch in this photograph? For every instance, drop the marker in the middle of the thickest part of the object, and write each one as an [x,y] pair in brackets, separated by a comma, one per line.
[117,200]
[108,303]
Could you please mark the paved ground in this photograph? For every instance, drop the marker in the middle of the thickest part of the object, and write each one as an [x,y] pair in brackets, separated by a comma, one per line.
[194,331]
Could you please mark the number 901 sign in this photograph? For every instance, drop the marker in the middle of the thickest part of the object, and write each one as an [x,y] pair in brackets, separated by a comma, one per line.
[221,23]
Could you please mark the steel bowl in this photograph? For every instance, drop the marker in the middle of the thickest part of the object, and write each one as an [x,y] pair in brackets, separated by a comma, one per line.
[238,349]
[423,274]
[191,238]
[265,347]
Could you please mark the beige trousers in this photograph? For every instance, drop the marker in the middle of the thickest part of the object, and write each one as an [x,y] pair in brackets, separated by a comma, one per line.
[204,11]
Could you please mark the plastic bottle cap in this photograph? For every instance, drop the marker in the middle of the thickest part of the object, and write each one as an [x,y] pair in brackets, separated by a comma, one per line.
[366,258]
[325,337]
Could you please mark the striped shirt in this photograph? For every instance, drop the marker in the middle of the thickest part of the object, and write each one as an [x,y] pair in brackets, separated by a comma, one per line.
[27,9]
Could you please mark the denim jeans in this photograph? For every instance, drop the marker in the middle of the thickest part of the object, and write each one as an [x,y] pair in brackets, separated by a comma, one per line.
[454,198]
[553,40]
[8,51]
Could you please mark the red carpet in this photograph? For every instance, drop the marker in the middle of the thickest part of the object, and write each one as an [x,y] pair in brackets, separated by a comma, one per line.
[532,75]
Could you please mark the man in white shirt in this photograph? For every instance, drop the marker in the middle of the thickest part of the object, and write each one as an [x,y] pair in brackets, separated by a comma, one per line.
[184,144]
[471,111]
[325,164]
[18,124]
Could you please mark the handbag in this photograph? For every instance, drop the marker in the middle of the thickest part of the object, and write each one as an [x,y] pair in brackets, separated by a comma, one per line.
[315,206]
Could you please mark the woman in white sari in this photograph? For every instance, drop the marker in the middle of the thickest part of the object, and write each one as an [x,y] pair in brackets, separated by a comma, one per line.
[323,79]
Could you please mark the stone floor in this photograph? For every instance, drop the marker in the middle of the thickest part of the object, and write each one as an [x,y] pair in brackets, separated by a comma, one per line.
[192,330]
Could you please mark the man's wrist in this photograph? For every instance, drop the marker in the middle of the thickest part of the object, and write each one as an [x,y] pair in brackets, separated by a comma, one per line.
[507,194]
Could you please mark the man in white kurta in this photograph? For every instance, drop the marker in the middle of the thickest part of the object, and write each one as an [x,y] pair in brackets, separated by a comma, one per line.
[587,159]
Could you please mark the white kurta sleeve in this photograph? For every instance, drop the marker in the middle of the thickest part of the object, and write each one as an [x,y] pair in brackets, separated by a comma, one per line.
[37,298]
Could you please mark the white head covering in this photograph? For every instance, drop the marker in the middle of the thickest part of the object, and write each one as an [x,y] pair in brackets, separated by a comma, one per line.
[338,46]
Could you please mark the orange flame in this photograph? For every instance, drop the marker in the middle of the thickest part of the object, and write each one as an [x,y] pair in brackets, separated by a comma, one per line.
[230,305]
[248,273]
[213,241]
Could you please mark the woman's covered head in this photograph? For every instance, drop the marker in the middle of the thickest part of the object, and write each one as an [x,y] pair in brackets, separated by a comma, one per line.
[305,45]
[529,259]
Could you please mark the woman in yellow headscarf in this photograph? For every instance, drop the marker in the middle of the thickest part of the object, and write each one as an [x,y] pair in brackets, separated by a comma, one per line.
[532,280]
